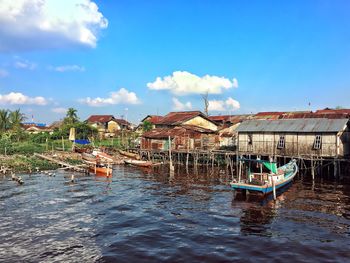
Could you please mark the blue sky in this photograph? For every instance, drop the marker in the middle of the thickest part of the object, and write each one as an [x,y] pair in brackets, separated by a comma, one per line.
[134,58]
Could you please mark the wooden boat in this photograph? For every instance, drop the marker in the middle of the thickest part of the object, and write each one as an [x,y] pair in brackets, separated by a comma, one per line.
[130,155]
[103,155]
[266,182]
[89,157]
[101,170]
[139,163]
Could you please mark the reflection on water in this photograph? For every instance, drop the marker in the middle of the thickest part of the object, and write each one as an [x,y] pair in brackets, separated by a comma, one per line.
[149,215]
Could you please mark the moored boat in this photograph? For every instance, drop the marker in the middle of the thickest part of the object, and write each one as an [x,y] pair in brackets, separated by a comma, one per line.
[101,170]
[130,155]
[89,157]
[139,163]
[266,182]
[103,155]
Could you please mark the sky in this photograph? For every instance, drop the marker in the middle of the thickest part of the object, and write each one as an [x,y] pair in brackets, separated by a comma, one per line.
[132,58]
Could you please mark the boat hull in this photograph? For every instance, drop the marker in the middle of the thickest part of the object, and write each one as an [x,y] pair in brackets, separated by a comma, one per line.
[130,155]
[101,171]
[139,163]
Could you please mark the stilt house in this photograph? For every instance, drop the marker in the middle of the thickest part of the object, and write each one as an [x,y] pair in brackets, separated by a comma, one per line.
[318,137]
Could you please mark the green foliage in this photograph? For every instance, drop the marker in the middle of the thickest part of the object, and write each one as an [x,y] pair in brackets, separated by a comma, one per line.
[71,117]
[4,120]
[146,126]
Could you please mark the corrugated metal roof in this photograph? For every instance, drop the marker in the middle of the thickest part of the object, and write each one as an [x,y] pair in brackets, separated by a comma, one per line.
[177,118]
[293,125]
[100,118]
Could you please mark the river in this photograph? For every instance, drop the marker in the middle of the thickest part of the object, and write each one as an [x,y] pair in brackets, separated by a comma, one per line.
[150,216]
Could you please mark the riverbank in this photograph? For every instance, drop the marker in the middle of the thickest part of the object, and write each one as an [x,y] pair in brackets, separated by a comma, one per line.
[19,163]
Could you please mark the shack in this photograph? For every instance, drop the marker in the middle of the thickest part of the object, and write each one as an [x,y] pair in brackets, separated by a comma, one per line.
[308,138]
[185,137]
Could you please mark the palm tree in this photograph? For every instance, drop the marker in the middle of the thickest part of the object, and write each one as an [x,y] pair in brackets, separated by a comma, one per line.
[4,120]
[16,118]
[71,116]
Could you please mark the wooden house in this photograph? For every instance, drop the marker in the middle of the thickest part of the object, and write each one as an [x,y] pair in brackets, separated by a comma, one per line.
[195,118]
[185,137]
[319,137]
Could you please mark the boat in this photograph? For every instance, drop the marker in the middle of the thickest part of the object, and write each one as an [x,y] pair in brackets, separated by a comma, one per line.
[139,163]
[103,155]
[89,157]
[101,169]
[266,182]
[130,155]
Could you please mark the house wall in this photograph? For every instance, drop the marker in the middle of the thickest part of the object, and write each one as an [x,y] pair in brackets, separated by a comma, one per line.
[195,141]
[201,122]
[113,126]
[296,144]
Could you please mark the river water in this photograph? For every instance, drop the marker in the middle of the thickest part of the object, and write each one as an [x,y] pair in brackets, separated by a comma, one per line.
[150,216]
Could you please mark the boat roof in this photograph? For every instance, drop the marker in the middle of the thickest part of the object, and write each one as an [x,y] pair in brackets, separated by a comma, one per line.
[313,125]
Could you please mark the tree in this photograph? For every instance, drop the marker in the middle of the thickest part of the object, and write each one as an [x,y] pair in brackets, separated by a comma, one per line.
[4,120]
[206,103]
[16,118]
[71,116]
[146,126]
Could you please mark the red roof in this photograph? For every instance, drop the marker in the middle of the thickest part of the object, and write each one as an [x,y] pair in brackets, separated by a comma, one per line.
[100,118]
[270,113]
[179,117]
[229,118]
[154,119]
[122,122]
[333,111]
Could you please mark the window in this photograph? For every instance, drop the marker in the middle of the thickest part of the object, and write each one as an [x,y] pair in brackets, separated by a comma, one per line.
[317,142]
[281,143]
[250,139]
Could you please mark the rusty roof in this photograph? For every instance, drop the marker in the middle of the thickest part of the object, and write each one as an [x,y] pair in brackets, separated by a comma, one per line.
[229,118]
[179,117]
[333,111]
[184,130]
[154,119]
[294,125]
[100,118]
[122,122]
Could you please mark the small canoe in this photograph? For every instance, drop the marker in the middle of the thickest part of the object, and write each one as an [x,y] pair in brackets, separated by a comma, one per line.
[89,157]
[101,170]
[130,155]
[103,155]
[138,163]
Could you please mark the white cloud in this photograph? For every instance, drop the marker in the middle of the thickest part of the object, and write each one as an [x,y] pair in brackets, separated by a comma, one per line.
[43,24]
[59,110]
[25,64]
[68,68]
[183,83]
[179,106]
[122,96]
[3,73]
[17,98]
[221,105]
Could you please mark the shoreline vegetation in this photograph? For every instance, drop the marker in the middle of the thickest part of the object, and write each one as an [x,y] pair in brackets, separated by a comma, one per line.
[17,147]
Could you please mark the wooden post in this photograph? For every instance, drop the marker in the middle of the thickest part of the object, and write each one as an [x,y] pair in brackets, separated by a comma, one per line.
[239,171]
[62,143]
[312,170]
[171,167]
[273,188]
